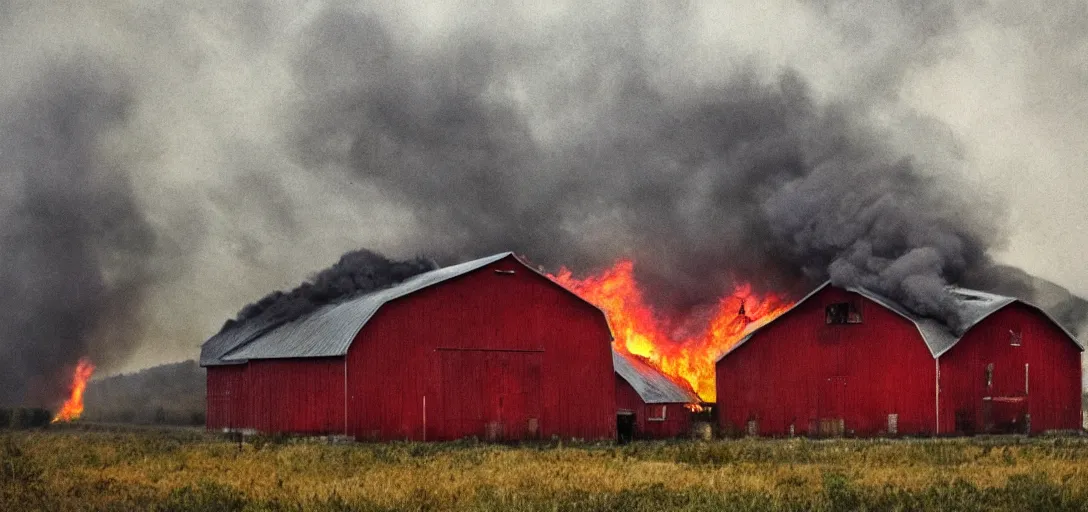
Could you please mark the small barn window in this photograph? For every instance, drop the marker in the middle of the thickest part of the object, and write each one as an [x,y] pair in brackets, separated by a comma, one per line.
[504,272]
[1015,337]
[843,313]
[657,413]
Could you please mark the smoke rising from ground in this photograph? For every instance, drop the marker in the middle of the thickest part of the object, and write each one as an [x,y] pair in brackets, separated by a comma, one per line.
[170,162]
[73,243]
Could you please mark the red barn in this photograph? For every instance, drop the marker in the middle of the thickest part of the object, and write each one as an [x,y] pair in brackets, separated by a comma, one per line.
[489,348]
[851,362]
[1014,370]
[649,404]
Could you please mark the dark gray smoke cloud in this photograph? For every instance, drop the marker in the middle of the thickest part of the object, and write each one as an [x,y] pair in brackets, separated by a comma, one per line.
[743,180]
[165,164]
[73,242]
[357,272]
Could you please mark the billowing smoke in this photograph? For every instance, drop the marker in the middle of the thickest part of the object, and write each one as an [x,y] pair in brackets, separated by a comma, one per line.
[745,179]
[356,273]
[72,241]
[164,164]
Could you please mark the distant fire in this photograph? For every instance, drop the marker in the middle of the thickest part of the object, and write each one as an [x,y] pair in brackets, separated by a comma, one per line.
[73,407]
[641,332]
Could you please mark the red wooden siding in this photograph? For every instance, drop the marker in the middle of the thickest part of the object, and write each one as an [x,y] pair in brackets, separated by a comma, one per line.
[226,397]
[296,395]
[800,371]
[677,417]
[278,395]
[1051,393]
[481,355]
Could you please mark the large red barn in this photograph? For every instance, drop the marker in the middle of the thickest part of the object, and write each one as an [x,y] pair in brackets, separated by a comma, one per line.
[851,362]
[489,349]
[649,404]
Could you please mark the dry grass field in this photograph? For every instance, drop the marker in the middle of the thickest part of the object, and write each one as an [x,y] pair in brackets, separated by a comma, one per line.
[158,469]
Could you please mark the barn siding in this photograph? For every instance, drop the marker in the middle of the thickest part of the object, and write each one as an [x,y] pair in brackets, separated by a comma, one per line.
[303,396]
[523,321]
[1054,374]
[798,370]
[226,397]
[677,417]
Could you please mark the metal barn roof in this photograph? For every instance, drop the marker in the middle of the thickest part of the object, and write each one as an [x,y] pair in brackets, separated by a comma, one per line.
[329,330]
[212,351]
[650,384]
[973,306]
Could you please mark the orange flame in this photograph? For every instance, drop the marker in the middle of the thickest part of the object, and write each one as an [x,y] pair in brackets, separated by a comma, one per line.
[641,332]
[73,407]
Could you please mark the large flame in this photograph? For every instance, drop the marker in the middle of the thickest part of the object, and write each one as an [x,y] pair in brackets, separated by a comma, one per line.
[640,331]
[73,407]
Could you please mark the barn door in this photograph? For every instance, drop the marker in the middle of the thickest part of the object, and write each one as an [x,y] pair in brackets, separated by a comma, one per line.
[1005,400]
[490,394]
[832,407]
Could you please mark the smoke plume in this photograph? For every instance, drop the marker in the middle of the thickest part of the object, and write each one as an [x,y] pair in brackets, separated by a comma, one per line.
[356,273]
[73,243]
[164,164]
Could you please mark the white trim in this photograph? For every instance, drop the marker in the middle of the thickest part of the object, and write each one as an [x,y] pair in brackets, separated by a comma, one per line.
[937,397]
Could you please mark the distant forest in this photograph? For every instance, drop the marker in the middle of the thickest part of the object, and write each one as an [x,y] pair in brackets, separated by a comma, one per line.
[171,394]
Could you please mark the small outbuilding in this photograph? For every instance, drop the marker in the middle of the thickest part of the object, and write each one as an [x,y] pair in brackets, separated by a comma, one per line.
[649,404]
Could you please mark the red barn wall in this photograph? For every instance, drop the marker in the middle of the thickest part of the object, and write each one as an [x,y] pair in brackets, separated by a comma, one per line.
[1052,396]
[799,370]
[303,396]
[505,356]
[677,418]
[226,397]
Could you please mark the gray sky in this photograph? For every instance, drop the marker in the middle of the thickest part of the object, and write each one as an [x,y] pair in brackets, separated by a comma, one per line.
[231,128]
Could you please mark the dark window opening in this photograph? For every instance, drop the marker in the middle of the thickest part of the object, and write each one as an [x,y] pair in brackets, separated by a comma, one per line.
[1015,337]
[843,313]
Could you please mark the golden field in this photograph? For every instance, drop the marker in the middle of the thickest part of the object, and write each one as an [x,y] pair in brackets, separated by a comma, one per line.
[160,469]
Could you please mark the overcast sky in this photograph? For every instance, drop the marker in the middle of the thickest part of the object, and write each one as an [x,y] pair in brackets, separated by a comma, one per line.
[203,177]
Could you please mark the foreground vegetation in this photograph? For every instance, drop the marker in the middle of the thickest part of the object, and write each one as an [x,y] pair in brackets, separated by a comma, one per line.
[154,469]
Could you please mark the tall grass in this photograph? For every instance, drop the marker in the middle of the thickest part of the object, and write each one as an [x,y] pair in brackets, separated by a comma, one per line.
[182,470]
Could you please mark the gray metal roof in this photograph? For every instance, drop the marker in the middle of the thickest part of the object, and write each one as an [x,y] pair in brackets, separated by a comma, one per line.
[212,351]
[329,331]
[973,306]
[650,384]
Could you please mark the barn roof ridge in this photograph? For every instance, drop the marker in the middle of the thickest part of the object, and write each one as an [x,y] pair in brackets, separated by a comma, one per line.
[337,323]
[653,386]
[974,305]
